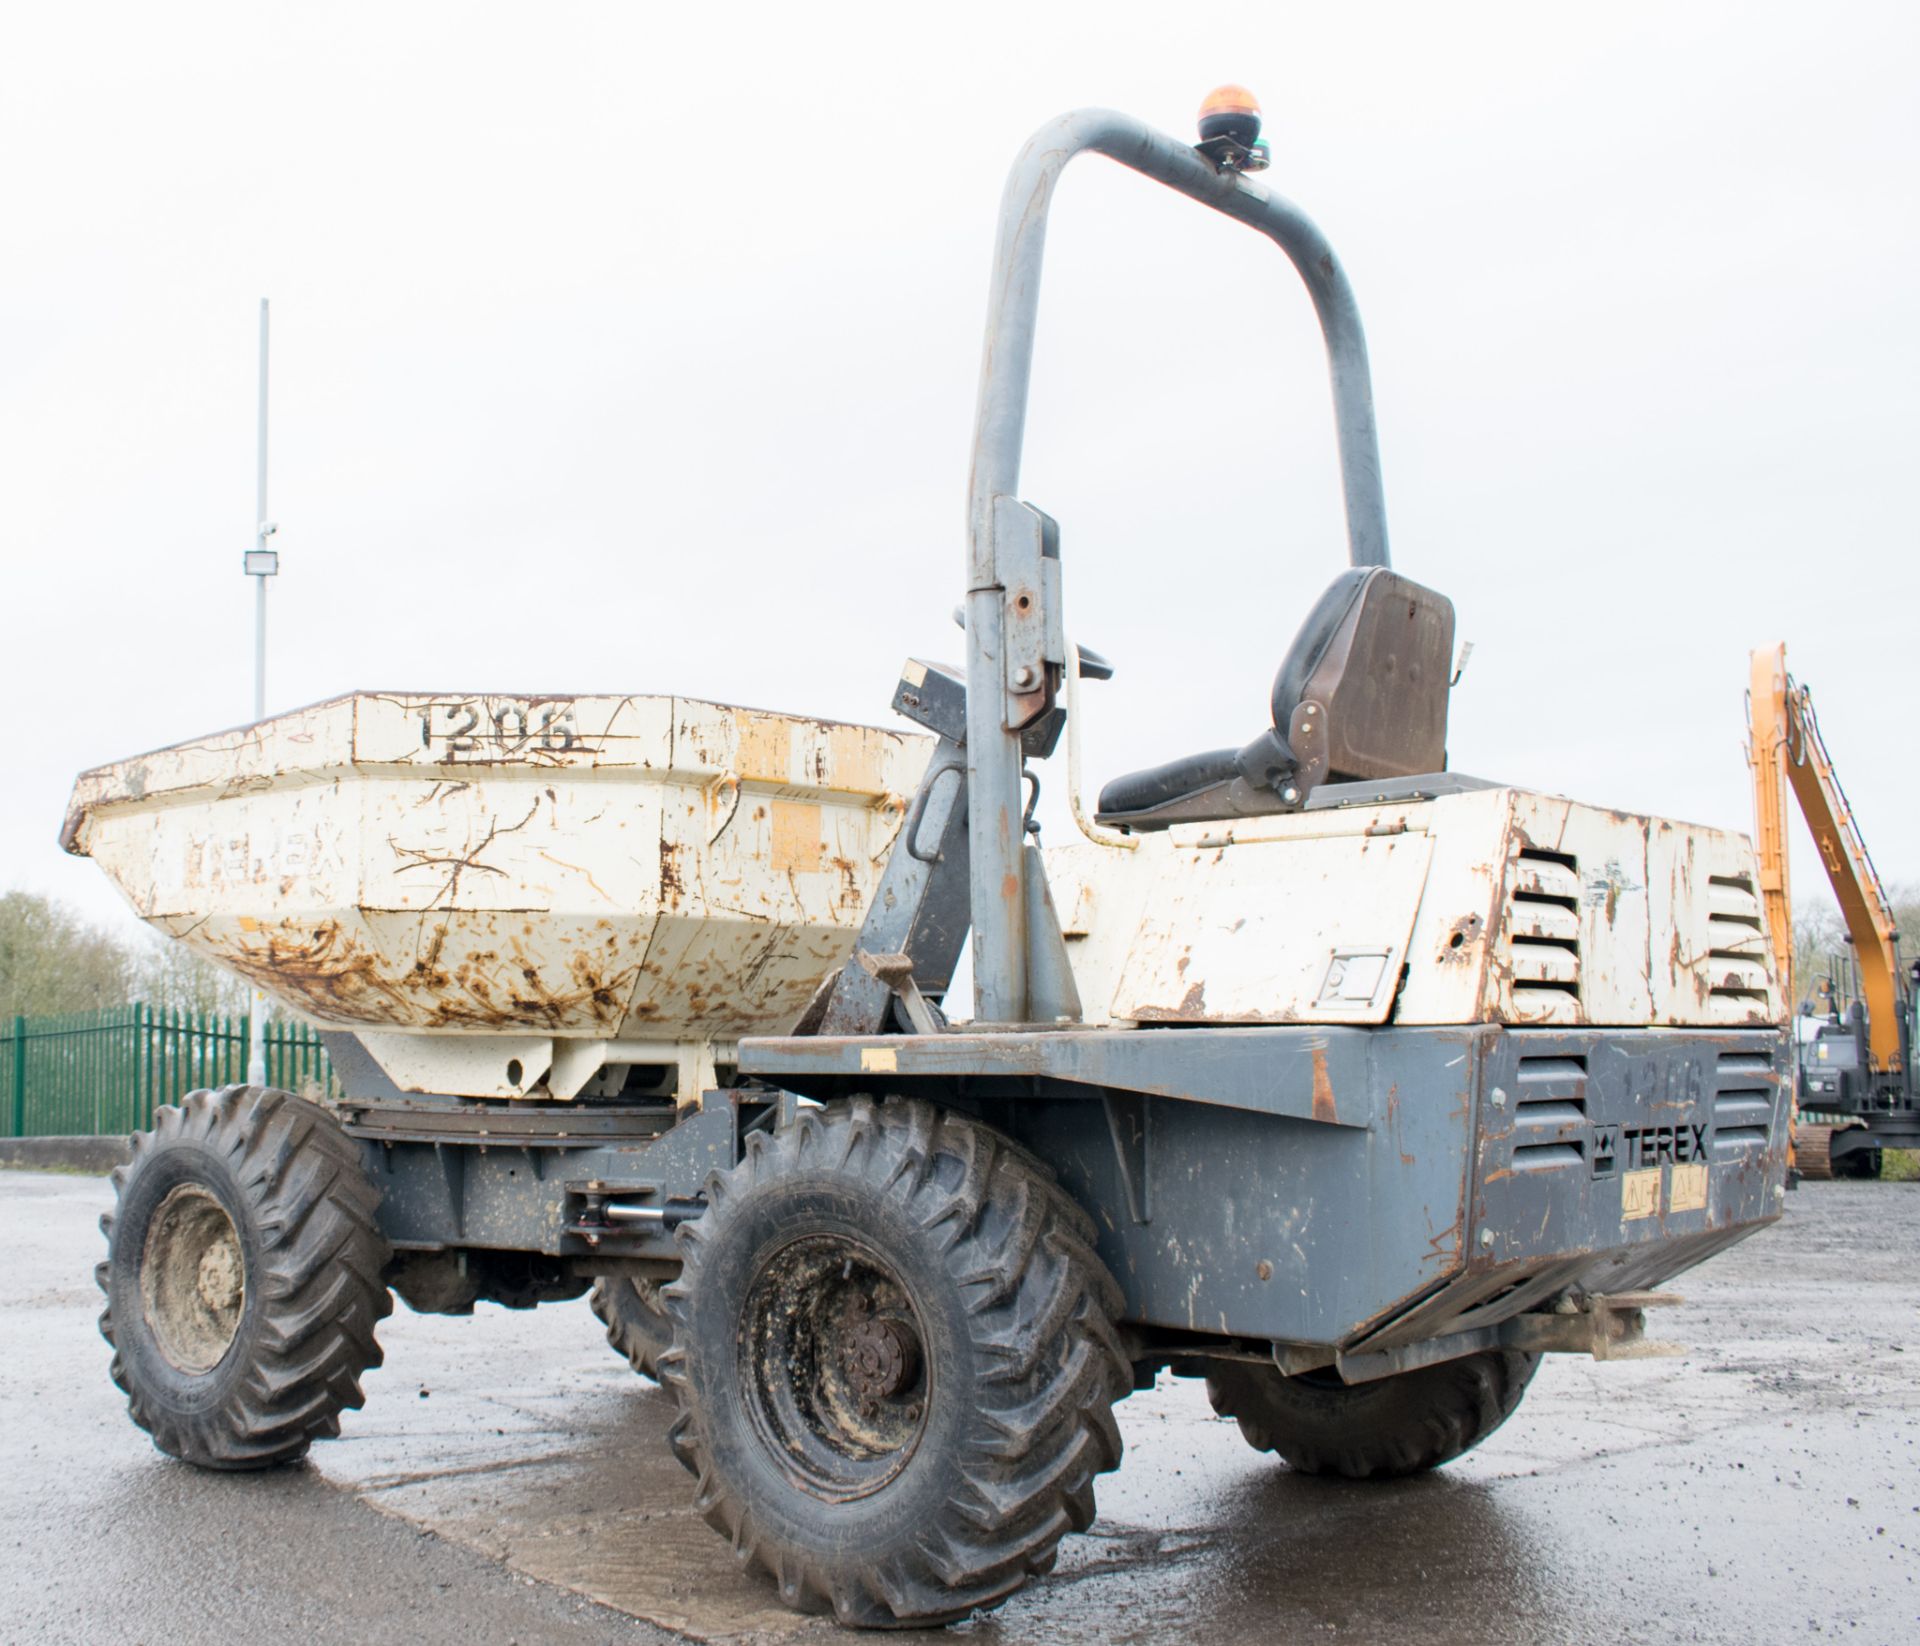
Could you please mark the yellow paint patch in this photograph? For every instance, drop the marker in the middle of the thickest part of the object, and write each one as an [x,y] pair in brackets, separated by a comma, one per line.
[1640,1194]
[766,748]
[879,1060]
[1688,1192]
[796,836]
[853,759]
[915,673]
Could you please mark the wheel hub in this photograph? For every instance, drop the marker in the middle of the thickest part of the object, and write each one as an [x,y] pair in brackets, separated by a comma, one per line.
[193,1279]
[833,1367]
[221,1279]
[883,1357]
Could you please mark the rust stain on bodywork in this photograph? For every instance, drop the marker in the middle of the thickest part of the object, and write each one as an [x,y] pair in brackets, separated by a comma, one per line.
[458,863]
[1455,948]
[328,973]
[1323,1104]
[335,979]
[1192,1007]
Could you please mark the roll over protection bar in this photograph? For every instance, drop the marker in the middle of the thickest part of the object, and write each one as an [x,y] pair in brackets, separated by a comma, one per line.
[1000,691]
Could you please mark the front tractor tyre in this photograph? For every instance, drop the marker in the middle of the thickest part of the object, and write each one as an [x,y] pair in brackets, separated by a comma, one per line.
[895,1363]
[1393,1426]
[242,1278]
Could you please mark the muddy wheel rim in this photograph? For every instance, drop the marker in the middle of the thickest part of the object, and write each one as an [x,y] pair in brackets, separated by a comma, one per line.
[834,1367]
[193,1279]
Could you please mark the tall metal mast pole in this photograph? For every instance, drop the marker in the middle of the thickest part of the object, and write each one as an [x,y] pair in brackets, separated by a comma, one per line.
[261,563]
[262,530]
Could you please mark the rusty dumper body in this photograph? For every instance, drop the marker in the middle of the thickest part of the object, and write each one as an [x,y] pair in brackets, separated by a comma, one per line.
[1348,1082]
[507,897]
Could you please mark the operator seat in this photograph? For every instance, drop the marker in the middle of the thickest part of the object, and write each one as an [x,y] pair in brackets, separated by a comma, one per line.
[1361,694]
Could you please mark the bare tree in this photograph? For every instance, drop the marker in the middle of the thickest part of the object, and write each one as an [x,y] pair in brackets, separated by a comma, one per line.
[172,978]
[1821,949]
[52,960]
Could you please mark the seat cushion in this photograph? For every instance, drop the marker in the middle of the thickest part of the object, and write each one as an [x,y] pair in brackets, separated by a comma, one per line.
[1141,791]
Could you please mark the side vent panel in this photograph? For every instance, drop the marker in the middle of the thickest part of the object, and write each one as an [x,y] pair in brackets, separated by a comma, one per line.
[1743,1104]
[1549,1113]
[1540,937]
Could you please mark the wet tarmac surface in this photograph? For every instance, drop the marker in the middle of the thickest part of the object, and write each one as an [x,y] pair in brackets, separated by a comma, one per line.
[508,1481]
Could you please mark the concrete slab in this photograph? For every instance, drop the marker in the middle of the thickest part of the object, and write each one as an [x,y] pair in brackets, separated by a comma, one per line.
[97,1155]
[1764,1487]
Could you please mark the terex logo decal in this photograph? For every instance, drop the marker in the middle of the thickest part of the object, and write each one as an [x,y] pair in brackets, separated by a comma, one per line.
[1637,1147]
[1650,1145]
[1605,1152]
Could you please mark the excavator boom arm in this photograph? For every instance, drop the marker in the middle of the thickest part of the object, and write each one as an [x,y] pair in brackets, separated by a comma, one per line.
[1786,751]
[1767,757]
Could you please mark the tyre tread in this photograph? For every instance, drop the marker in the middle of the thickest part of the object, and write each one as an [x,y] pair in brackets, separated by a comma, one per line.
[1041,1303]
[1402,1425]
[638,1332]
[318,1268]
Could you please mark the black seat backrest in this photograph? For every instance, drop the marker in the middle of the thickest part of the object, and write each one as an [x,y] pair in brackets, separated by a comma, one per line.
[1362,692]
[1361,697]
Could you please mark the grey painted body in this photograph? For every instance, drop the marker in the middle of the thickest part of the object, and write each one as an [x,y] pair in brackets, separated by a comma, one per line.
[1347,1189]
[1318,1185]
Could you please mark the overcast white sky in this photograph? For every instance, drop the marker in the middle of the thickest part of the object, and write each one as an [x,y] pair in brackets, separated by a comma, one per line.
[621,348]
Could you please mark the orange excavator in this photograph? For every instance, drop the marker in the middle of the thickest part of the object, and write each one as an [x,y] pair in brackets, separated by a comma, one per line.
[1854,1088]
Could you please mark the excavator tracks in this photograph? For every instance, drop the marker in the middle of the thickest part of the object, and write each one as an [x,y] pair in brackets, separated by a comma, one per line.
[1813,1152]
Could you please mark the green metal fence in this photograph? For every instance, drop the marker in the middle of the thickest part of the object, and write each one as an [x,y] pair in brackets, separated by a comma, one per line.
[104,1073]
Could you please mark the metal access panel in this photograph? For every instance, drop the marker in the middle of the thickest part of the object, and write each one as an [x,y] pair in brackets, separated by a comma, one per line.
[1630,1139]
[1243,1224]
[1326,939]
[1611,1161]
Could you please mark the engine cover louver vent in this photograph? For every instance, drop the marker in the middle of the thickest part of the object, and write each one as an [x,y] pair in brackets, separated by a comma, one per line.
[1736,941]
[1743,1103]
[1541,936]
[1549,1113]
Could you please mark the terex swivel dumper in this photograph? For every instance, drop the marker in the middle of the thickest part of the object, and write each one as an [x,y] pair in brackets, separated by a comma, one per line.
[1347,1082]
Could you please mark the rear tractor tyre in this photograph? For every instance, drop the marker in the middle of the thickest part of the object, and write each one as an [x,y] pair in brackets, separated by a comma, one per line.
[637,1325]
[895,1363]
[1395,1426]
[242,1278]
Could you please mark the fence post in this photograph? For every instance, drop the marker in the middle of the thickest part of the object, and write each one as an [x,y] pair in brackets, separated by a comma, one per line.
[140,1059]
[19,1077]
